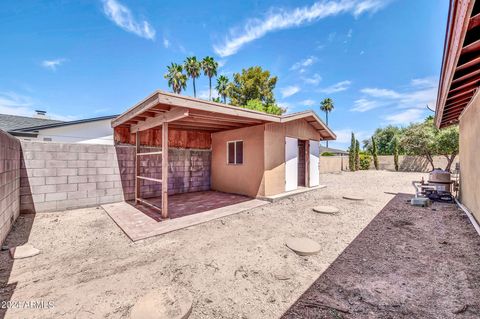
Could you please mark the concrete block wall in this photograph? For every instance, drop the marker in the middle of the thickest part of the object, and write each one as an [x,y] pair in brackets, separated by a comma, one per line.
[9,182]
[60,176]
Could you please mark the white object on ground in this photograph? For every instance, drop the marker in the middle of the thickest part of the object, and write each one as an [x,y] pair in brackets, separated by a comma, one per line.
[353,197]
[172,303]
[303,246]
[325,209]
[23,251]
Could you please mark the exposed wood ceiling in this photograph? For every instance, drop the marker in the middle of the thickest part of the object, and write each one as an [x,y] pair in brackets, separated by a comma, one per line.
[460,76]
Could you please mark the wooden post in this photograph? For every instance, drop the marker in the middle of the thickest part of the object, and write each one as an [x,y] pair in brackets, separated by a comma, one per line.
[137,167]
[165,170]
[307,163]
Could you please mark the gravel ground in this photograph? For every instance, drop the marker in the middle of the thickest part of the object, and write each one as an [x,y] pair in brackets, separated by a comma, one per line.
[235,267]
[409,262]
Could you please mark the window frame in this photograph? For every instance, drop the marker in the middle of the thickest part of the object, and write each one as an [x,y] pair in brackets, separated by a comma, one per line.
[235,152]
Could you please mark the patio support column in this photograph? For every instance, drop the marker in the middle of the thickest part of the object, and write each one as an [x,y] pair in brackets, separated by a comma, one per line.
[137,167]
[165,170]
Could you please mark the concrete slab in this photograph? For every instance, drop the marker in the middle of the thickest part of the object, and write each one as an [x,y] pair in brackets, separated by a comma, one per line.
[297,191]
[172,303]
[303,246]
[138,225]
[24,251]
[354,197]
[331,210]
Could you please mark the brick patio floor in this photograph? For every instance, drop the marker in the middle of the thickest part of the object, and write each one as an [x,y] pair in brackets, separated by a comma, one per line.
[188,209]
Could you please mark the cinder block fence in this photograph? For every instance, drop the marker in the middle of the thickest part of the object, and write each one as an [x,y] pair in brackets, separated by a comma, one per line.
[59,176]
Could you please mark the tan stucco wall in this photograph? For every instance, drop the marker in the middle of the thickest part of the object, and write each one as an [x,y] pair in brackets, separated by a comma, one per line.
[244,179]
[275,134]
[470,157]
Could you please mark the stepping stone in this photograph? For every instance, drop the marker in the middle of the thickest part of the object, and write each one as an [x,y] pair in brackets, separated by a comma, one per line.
[353,197]
[23,251]
[171,303]
[325,210]
[303,246]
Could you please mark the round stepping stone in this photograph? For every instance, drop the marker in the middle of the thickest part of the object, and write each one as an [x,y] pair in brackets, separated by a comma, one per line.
[354,197]
[303,246]
[166,303]
[325,209]
[23,251]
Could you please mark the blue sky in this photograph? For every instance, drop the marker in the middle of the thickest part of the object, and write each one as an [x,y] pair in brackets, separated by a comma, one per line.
[378,60]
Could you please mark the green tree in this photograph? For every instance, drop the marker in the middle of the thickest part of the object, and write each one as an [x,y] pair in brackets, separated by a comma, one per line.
[357,155]
[447,144]
[383,138]
[192,68]
[374,153]
[327,106]
[177,80]
[395,152]
[222,87]
[351,153]
[252,83]
[209,66]
[365,161]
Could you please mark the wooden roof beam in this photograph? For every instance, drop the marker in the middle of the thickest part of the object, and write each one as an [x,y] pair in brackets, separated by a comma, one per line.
[224,118]
[461,94]
[474,22]
[468,64]
[472,47]
[466,85]
[151,122]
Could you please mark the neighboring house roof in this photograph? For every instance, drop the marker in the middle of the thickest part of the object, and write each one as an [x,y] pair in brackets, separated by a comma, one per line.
[60,124]
[460,75]
[324,149]
[185,112]
[14,122]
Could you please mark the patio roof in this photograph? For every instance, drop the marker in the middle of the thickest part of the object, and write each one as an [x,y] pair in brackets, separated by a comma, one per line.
[460,75]
[182,112]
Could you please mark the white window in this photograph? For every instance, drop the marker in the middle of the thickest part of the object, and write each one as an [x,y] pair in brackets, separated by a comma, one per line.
[235,152]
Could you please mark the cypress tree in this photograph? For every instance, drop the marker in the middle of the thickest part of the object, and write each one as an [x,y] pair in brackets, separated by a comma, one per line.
[395,153]
[374,153]
[357,155]
[351,154]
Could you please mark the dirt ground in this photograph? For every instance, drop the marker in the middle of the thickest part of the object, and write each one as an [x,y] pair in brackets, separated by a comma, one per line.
[235,267]
[409,262]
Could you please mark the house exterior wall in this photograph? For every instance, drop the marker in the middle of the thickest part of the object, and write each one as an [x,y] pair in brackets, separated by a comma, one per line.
[98,132]
[9,182]
[247,178]
[274,151]
[469,157]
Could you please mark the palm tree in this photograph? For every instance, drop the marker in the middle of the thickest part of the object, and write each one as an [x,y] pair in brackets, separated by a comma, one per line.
[177,80]
[209,66]
[193,68]
[222,87]
[327,106]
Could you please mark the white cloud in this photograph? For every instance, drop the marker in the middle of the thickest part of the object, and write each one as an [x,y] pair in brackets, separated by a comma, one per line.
[289,90]
[280,19]
[16,104]
[203,94]
[303,64]
[52,64]
[122,16]
[375,92]
[350,33]
[338,87]
[363,105]
[313,80]
[405,117]
[166,43]
[308,102]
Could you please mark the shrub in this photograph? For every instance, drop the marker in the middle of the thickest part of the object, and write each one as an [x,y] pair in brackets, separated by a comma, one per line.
[365,160]
[328,154]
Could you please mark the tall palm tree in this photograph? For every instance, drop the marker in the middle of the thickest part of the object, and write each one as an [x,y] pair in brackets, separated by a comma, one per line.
[193,68]
[209,66]
[177,80]
[327,106]
[222,87]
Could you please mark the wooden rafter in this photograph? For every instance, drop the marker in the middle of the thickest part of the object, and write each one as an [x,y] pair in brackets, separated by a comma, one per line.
[151,122]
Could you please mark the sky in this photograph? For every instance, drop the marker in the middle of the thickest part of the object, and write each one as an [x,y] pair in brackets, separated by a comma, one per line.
[379,60]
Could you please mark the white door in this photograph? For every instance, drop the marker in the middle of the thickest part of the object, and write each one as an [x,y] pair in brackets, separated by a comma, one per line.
[291,163]
[314,162]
